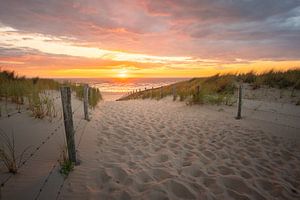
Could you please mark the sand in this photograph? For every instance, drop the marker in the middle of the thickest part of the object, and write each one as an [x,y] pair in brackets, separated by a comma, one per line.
[147,149]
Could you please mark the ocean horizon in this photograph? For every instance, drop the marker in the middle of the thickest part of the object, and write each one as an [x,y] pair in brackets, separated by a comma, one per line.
[114,88]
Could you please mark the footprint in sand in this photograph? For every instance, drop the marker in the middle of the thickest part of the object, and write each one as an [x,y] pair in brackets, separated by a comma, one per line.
[238,185]
[155,194]
[209,155]
[160,174]
[211,184]
[225,170]
[162,158]
[143,177]
[118,174]
[172,145]
[193,171]
[179,190]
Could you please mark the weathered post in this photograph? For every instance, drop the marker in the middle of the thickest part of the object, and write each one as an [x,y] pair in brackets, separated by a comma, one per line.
[239,111]
[174,93]
[68,122]
[198,89]
[152,92]
[86,102]
[161,92]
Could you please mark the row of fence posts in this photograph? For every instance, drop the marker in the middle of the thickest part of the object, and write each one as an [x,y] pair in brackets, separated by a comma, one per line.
[68,118]
[197,92]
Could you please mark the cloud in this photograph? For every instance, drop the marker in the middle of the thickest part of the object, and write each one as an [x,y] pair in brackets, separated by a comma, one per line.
[222,30]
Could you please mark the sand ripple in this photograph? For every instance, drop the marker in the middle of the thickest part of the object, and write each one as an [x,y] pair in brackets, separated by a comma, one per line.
[159,150]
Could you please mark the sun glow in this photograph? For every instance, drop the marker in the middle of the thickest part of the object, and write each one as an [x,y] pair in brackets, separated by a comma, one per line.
[123,73]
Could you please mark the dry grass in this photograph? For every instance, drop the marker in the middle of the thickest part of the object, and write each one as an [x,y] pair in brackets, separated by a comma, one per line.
[94,94]
[32,92]
[8,153]
[219,89]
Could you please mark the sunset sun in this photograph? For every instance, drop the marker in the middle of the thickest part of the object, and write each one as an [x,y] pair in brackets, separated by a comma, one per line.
[123,73]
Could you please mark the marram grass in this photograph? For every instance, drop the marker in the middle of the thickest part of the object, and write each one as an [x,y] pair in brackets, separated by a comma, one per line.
[219,89]
[31,92]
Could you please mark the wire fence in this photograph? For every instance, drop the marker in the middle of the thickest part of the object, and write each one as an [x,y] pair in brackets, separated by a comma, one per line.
[46,181]
[51,171]
[13,113]
[60,188]
[39,147]
[34,152]
[270,101]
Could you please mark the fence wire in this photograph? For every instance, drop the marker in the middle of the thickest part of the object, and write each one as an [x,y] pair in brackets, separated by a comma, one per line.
[35,151]
[43,142]
[46,181]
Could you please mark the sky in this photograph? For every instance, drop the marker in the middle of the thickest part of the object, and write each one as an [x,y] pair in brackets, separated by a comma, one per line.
[148,38]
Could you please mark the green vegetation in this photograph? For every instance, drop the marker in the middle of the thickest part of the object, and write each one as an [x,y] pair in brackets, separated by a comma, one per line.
[35,93]
[21,91]
[220,89]
[66,166]
[94,94]
[290,78]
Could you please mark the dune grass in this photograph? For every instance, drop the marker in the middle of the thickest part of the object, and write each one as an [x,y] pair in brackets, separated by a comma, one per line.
[277,79]
[33,93]
[220,89]
[21,91]
[8,155]
[94,94]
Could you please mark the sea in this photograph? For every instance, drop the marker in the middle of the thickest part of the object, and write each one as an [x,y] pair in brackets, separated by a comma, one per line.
[115,88]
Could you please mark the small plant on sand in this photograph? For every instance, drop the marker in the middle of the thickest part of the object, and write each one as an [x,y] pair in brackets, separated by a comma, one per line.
[8,153]
[66,166]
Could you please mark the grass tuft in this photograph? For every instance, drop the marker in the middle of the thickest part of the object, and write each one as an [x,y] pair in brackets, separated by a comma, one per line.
[66,166]
[8,153]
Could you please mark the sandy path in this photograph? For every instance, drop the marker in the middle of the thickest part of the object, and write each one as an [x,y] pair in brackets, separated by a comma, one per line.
[158,150]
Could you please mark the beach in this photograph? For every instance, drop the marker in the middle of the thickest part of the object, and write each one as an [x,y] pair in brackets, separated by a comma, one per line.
[150,100]
[148,149]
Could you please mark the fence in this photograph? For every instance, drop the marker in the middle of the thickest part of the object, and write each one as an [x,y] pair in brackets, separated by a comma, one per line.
[70,131]
[250,101]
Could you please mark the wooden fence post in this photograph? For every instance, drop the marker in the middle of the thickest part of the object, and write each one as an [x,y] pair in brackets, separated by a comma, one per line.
[68,122]
[174,93]
[86,102]
[239,111]
[198,90]
[152,92]
[161,92]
